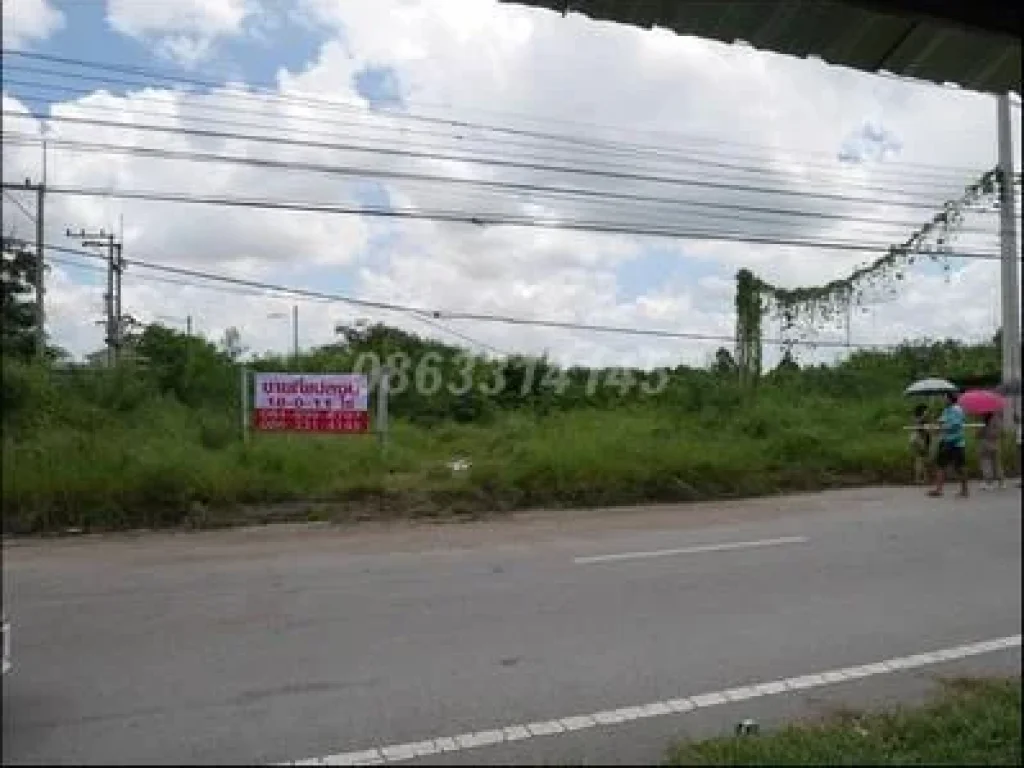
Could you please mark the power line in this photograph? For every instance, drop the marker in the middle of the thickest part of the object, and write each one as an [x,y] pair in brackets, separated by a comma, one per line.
[267,293]
[21,207]
[478,220]
[495,162]
[308,100]
[458,334]
[436,314]
[924,180]
[532,189]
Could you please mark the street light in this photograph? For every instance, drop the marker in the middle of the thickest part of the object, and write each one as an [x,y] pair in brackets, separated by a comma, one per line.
[295,329]
[176,319]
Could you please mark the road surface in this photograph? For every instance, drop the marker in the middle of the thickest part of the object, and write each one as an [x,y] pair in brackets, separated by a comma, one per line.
[565,636]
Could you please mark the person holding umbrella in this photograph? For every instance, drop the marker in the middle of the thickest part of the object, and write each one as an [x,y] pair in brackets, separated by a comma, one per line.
[952,450]
[989,453]
[987,405]
[1020,450]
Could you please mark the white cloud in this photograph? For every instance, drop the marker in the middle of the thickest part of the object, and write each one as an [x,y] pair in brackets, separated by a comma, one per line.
[185,30]
[28,21]
[780,122]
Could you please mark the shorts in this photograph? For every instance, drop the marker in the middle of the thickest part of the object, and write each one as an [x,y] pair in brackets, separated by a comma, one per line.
[951,455]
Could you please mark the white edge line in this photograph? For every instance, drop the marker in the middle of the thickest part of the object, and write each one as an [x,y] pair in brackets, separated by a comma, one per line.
[697,549]
[400,752]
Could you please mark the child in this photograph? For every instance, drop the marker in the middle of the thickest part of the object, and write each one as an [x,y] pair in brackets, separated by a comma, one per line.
[920,444]
[989,454]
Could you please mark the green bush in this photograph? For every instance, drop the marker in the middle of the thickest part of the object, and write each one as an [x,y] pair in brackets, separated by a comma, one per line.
[144,443]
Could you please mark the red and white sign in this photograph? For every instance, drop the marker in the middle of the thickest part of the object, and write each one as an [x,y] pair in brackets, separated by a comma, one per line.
[311,402]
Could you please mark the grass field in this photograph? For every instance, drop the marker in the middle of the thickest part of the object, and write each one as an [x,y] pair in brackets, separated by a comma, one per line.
[972,722]
[161,446]
[168,461]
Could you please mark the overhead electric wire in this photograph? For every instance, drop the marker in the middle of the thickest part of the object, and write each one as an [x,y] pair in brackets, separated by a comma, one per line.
[436,314]
[533,190]
[10,196]
[263,293]
[476,219]
[922,179]
[495,318]
[495,162]
[306,99]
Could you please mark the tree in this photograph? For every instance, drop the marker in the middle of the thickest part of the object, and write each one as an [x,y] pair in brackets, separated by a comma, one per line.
[788,363]
[18,283]
[231,344]
[189,367]
[724,362]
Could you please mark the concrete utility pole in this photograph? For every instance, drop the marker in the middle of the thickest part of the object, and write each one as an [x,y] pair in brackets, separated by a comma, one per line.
[1010,252]
[40,275]
[40,286]
[295,330]
[118,268]
[112,298]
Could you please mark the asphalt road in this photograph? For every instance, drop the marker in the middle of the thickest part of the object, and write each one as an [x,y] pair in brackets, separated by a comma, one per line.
[287,643]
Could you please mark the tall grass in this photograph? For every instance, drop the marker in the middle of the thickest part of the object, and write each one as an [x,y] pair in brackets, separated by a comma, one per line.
[111,451]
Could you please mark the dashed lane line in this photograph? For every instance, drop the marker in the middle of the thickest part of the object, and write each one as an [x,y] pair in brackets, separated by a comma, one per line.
[725,546]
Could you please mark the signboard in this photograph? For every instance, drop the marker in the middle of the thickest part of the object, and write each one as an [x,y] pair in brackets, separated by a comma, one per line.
[311,402]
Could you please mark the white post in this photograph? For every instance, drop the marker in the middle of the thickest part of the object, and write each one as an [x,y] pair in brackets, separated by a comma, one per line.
[382,407]
[244,401]
[1010,253]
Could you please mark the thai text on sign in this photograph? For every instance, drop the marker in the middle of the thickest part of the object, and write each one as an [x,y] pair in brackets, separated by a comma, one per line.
[328,402]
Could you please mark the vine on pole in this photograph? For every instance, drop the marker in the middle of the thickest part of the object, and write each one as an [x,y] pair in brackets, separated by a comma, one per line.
[825,304]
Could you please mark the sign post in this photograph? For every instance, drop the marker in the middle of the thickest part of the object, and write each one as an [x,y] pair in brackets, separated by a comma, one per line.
[244,401]
[313,402]
[382,408]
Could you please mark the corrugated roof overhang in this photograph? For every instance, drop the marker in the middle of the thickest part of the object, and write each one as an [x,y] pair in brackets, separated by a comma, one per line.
[975,45]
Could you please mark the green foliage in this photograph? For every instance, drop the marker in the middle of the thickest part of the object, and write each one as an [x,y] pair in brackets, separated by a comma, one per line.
[145,442]
[972,722]
[826,304]
[18,280]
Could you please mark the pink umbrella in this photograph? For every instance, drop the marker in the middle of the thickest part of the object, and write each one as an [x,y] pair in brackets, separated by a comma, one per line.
[981,401]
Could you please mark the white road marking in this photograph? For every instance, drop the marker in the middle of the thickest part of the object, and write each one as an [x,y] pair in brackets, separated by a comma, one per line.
[400,752]
[723,547]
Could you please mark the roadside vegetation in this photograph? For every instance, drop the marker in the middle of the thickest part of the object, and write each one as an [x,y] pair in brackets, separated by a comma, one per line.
[972,722]
[156,440]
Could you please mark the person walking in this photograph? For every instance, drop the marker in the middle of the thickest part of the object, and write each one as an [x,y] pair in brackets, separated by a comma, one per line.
[989,453]
[952,451]
[920,444]
[1020,450]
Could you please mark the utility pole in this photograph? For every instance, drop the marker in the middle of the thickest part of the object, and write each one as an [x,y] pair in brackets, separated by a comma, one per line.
[40,286]
[1010,252]
[112,298]
[295,334]
[118,268]
[40,275]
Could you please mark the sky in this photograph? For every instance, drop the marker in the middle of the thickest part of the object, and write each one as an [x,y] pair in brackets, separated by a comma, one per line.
[714,139]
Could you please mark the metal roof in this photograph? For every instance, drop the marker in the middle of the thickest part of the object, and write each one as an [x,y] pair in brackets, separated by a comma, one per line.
[975,45]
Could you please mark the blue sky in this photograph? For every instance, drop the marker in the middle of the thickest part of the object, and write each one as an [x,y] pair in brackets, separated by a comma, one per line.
[87,36]
[544,75]
[256,59]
